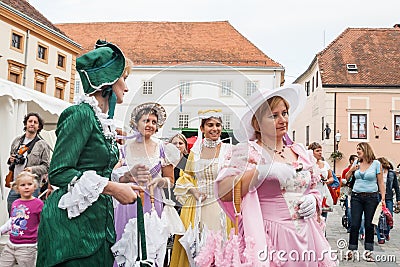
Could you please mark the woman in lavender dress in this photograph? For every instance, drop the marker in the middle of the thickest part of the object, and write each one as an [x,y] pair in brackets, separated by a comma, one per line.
[154,161]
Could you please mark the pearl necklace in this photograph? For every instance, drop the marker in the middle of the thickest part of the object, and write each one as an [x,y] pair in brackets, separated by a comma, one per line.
[210,143]
[298,166]
[280,153]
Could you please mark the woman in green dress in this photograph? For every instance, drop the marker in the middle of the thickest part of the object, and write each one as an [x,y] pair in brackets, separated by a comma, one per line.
[77,224]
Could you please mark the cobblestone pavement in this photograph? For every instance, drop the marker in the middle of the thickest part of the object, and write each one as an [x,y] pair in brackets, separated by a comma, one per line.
[335,233]
[388,253]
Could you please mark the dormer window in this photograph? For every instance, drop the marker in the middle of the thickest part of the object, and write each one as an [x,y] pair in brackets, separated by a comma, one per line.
[352,68]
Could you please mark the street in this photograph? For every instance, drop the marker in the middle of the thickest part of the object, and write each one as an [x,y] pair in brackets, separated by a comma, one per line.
[337,236]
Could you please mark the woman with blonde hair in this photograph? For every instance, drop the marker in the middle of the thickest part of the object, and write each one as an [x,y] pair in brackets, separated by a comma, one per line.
[23,223]
[364,197]
[76,227]
[280,209]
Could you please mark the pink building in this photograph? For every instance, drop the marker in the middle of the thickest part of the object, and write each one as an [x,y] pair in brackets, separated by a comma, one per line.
[353,85]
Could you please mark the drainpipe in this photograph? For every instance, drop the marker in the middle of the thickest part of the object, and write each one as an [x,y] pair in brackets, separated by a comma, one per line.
[334,131]
[26,56]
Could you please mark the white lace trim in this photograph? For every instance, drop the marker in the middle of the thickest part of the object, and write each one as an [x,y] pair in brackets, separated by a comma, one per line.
[82,193]
[108,125]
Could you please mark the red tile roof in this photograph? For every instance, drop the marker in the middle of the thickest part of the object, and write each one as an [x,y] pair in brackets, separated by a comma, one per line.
[171,43]
[376,52]
[24,7]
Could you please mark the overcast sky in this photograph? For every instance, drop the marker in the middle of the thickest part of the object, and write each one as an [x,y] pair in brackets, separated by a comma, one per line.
[288,31]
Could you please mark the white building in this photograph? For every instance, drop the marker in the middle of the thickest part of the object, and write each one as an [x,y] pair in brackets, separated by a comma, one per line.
[185,66]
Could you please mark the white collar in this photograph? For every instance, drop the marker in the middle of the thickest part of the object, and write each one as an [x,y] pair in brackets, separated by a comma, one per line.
[108,125]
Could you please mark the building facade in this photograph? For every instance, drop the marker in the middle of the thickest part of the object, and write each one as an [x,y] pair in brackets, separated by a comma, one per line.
[185,66]
[353,85]
[34,53]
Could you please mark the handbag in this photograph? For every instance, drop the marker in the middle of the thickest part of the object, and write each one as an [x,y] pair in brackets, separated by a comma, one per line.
[170,216]
[388,215]
[128,253]
[335,193]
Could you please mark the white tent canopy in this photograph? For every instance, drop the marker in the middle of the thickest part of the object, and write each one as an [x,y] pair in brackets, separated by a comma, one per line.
[15,102]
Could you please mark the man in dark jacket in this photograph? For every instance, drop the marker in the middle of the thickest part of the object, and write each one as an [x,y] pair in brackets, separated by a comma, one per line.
[29,153]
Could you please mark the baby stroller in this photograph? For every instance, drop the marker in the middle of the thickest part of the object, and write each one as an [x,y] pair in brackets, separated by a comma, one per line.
[344,203]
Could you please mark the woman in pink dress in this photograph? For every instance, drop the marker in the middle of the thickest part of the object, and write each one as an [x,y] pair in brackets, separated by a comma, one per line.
[278,180]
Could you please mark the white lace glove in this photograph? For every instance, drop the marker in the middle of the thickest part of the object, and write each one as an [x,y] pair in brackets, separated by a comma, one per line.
[263,171]
[308,206]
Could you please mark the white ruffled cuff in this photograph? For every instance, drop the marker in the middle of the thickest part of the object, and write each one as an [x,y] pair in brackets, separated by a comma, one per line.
[82,193]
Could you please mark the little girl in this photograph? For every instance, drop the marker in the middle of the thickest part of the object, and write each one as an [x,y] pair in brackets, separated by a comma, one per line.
[23,224]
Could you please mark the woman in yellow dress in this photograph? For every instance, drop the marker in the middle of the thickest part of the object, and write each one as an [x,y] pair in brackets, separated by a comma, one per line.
[197,182]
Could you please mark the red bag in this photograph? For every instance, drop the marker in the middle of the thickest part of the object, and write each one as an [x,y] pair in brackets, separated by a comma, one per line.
[389,217]
[335,193]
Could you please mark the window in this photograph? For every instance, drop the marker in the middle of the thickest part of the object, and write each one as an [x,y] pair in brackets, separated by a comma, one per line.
[307,135]
[293,136]
[15,78]
[307,88]
[61,61]
[396,127]
[147,88]
[226,121]
[40,86]
[316,80]
[77,87]
[40,80]
[312,84]
[60,87]
[17,41]
[358,126]
[42,52]
[226,88]
[251,87]
[184,88]
[352,68]
[15,71]
[183,121]
[322,128]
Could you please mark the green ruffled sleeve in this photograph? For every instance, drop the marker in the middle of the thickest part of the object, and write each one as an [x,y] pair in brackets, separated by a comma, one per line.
[74,128]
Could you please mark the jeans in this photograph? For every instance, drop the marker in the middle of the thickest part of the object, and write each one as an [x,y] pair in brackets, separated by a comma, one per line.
[362,230]
[13,195]
[362,203]
[385,234]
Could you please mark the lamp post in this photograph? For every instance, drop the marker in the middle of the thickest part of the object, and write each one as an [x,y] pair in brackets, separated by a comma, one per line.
[336,147]
[337,139]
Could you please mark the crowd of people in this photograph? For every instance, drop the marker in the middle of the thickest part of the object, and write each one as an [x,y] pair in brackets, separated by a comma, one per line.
[106,191]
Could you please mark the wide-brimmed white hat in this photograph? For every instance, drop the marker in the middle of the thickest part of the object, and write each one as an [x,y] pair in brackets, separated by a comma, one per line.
[294,94]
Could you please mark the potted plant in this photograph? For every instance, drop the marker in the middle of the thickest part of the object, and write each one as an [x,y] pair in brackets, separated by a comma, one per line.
[336,155]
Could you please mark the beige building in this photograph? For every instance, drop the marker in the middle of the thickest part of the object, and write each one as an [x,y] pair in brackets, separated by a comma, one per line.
[353,85]
[35,53]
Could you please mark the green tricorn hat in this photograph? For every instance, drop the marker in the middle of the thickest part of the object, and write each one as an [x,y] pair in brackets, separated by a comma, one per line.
[102,66]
